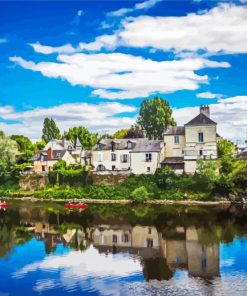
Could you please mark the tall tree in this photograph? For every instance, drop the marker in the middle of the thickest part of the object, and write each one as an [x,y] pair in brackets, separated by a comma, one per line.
[134,132]
[120,134]
[154,117]
[225,148]
[8,153]
[86,138]
[25,147]
[50,130]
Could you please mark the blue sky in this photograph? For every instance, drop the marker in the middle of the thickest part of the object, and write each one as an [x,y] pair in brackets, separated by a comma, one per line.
[91,63]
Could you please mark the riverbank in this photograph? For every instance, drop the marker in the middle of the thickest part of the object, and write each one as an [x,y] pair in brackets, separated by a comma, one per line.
[126,201]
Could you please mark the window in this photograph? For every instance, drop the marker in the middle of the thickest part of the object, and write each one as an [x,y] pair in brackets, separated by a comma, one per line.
[58,154]
[43,168]
[70,148]
[200,138]
[176,140]
[179,259]
[125,238]
[100,156]
[149,230]
[113,157]
[125,158]
[113,168]
[148,169]
[148,157]
[150,243]
[100,167]
[114,238]
[201,152]
[129,145]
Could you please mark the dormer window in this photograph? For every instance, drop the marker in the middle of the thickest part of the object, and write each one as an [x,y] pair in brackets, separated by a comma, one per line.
[113,146]
[70,147]
[129,145]
[99,146]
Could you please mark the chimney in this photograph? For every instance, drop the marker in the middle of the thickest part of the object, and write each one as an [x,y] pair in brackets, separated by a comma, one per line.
[49,154]
[204,109]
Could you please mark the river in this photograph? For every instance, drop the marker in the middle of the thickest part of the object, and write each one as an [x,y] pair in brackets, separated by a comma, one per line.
[122,250]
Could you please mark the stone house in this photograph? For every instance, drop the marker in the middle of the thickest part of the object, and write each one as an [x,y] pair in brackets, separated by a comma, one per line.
[137,156]
[197,139]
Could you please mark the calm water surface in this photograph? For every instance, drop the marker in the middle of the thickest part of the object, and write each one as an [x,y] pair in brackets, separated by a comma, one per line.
[122,250]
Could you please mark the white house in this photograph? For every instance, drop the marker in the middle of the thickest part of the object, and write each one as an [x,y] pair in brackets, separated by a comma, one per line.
[137,156]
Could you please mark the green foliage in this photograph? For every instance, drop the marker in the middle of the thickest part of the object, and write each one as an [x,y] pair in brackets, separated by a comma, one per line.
[68,177]
[154,117]
[61,164]
[134,132]
[50,130]
[225,148]
[120,134]
[139,194]
[86,138]
[165,178]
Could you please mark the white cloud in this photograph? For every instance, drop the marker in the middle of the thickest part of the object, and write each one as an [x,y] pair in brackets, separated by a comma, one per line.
[138,6]
[67,48]
[104,116]
[222,29]
[230,114]
[208,95]
[129,76]
[104,41]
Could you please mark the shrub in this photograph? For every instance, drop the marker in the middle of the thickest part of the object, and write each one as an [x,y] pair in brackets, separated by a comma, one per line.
[165,178]
[139,194]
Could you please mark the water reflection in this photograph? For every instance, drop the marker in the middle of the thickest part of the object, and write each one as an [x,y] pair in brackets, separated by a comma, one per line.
[101,248]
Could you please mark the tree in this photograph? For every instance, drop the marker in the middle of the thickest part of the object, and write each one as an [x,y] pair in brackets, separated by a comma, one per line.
[8,153]
[86,138]
[25,147]
[120,134]
[225,147]
[139,194]
[154,117]
[134,132]
[50,130]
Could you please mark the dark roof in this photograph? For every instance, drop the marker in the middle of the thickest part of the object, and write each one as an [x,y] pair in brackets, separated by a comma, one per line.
[173,160]
[138,145]
[201,119]
[56,155]
[243,154]
[175,130]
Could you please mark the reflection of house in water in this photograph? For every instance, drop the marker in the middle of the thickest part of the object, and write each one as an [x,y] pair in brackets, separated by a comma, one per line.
[160,256]
[200,260]
[76,238]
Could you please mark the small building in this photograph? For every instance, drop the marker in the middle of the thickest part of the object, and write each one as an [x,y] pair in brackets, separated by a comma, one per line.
[197,139]
[137,156]
[243,154]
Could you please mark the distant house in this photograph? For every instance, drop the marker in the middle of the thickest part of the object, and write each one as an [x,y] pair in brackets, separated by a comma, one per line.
[242,154]
[186,144]
[137,156]
[55,150]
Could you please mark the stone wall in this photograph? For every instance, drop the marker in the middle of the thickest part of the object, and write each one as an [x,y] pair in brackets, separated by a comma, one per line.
[108,178]
[33,182]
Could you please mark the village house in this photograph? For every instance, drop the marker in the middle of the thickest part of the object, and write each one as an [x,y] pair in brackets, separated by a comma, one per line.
[55,150]
[184,145]
[137,156]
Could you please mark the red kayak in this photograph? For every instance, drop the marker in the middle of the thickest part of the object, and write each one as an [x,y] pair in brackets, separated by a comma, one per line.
[3,205]
[75,206]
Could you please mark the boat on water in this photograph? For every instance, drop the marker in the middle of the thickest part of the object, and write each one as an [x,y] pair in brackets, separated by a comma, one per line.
[3,205]
[76,206]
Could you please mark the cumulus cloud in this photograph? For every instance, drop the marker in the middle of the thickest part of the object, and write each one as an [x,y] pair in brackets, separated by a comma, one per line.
[67,48]
[208,95]
[230,114]
[219,30]
[118,76]
[102,117]
[138,6]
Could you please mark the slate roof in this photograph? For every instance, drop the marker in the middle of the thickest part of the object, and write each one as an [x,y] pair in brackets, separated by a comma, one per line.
[201,119]
[175,130]
[172,160]
[56,155]
[243,154]
[138,145]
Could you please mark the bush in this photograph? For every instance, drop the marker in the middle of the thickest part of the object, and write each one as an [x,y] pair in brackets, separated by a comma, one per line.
[165,178]
[139,194]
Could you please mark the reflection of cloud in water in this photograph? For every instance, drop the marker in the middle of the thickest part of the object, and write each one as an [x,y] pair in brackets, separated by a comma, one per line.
[43,285]
[227,262]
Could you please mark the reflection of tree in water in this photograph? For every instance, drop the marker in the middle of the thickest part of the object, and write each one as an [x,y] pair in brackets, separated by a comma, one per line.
[156,269]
